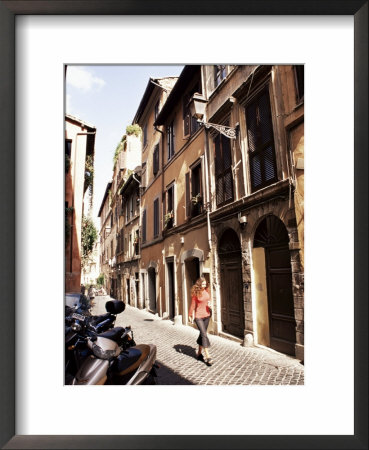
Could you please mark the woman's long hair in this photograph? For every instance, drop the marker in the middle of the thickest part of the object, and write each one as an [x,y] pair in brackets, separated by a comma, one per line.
[196,288]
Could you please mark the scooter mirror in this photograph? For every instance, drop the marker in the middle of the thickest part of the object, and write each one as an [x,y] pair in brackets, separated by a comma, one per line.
[115,306]
[76,326]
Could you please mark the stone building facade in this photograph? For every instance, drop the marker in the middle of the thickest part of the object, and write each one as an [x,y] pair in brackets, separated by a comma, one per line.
[257,204]
[222,197]
[79,145]
[106,236]
[119,222]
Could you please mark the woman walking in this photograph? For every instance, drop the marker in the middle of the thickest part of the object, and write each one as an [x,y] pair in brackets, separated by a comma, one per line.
[200,313]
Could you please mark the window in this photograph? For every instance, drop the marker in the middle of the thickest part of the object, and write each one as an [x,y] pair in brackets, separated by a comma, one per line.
[118,243]
[223,170]
[144,226]
[145,135]
[219,74]
[190,124]
[155,162]
[156,218]
[261,141]
[121,211]
[68,147]
[143,177]
[170,140]
[194,196]
[169,216]
[299,82]
[136,243]
[122,241]
[131,202]
[127,210]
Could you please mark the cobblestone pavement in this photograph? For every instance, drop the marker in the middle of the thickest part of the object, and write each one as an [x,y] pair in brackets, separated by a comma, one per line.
[176,354]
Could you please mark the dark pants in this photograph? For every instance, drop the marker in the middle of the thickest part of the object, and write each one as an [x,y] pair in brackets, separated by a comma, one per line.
[202,325]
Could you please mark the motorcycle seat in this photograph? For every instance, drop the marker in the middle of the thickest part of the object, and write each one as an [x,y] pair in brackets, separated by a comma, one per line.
[100,318]
[130,359]
[113,334]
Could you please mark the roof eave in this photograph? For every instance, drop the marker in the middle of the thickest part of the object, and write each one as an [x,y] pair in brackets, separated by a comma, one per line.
[182,83]
[108,186]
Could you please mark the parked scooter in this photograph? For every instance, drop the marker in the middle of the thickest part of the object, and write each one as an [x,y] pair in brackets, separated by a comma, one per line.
[98,323]
[110,357]
[80,326]
[111,364]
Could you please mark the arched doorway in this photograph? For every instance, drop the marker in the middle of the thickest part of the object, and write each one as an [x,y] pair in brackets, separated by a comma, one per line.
[192,274]
[192,262]
[170,286]
[272,235]
[152,289]
[229,251]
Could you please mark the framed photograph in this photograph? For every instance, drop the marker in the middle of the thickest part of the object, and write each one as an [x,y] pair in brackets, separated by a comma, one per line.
[37,40]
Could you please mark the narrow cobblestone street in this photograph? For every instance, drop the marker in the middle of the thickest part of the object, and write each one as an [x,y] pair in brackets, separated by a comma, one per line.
[176,354]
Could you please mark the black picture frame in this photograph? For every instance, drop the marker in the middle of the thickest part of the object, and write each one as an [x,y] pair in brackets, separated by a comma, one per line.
[8,10]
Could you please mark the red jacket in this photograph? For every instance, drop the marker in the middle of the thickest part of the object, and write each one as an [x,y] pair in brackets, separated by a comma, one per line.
[200,305]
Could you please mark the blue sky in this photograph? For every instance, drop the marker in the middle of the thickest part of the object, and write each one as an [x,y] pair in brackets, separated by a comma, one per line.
[107,96]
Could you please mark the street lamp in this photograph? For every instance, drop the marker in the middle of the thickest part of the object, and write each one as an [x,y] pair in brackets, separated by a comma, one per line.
[197,106]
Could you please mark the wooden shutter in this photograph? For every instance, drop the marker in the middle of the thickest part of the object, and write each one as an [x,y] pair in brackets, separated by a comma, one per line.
[145,135]
[188,198]
[156,160]
[170,195]
[169,141]
[156,218]
[223,169]
[144,226]
[186,116]
[173,138]
[218,171]
[227,174]
[261,142]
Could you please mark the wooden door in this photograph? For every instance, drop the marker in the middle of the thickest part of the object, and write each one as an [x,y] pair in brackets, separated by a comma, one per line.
[280,300]
[232,305]
[272,235]
[231,284]
[152,289]
[171,294]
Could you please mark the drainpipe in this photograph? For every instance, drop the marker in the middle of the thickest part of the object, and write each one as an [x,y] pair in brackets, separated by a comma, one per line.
[162,190]
[208,203]
[162,160]
[139,223]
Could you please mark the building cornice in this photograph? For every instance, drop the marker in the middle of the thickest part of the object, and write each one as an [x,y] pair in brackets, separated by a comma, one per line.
[279,189]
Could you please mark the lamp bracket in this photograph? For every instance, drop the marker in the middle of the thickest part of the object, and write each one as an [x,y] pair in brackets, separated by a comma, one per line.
[229,132]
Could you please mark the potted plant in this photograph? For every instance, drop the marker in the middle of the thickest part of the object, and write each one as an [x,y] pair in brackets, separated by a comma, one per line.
[196,203]
[168,219]
[197,199]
